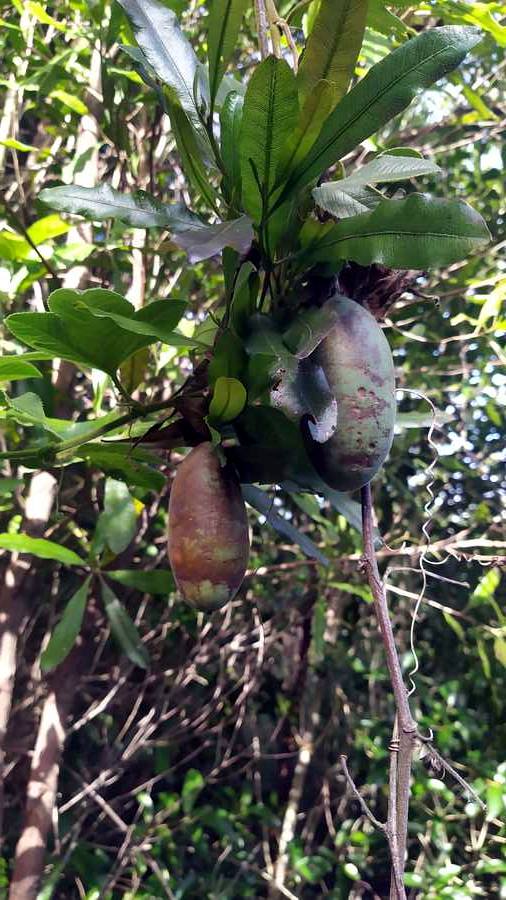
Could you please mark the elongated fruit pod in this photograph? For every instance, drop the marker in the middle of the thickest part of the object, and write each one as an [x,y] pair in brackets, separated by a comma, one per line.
[356,359]
[208,540]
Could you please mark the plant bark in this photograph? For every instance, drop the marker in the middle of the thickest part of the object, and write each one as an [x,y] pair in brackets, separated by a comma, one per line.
[13,602]
[401,747]
[44,772]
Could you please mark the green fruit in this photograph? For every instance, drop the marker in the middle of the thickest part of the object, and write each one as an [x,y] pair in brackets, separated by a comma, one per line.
[208,542]
[357,361]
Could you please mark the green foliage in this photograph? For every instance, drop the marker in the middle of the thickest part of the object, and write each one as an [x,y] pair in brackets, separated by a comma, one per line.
[332,48]
[65,634]
[186,731]
[414,233]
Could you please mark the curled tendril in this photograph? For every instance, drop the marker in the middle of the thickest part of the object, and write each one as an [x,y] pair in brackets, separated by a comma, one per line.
[423,559]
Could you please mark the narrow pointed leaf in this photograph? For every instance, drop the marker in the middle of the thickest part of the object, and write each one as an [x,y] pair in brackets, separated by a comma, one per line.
[270,113]
[230,122]
[166,48]
[154,581]
[223,25]
[416,233]
[262,502]
[317,107]
[387,168]
[124,629]
[194,154]
[65,634]
[40,547]
[387,89]
[102,202]
[333,47]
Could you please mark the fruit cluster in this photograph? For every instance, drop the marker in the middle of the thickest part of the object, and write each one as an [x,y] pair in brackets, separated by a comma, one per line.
[208,539]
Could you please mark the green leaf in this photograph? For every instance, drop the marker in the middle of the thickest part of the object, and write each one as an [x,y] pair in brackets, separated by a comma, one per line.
[154,581]
[120,462]
[262,502]
[496,797]
[124,629]
[244,298]
[195,155]
[65,634]
[208,240]
[386,168]
[166,48]
[13,369]
[223,24]
[415,233]
[228,400]
[9,485]
[47,228]
[192,786]
[484,659]
[332,47]
[14,144]
[270,114]
[133,371]
[229,358]
[387,89]
[425,419]
[350,509]
[350,196]
[230,129]
[138,209]
[155,320]
[14,247]
[71,101]
[97,328]
[40,547]
[263,338]
[317,107]
[47,332]
[27,410]
[39,13]
[385,22]
[342,203]
[500,650]
[85,340]
[117,524]
[485,590]
[455,625]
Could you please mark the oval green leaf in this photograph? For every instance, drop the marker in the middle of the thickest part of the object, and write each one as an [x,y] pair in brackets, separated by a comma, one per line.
[65,634]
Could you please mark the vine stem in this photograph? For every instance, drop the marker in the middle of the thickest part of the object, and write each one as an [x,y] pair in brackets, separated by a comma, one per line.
[262,28]
[403,740]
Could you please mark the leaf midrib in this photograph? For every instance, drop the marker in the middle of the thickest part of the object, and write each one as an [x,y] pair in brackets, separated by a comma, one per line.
[390,233]
[337,39]
[157,40]
[364,110]
[219,49]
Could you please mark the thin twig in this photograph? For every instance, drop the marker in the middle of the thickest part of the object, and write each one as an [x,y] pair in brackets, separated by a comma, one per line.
[435,757]
[381,826]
